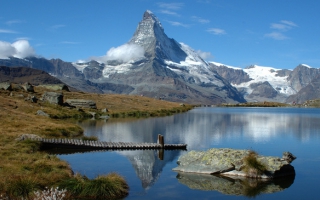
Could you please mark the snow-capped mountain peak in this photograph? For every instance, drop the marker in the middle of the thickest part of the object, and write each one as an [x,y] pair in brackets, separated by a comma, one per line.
[163,58]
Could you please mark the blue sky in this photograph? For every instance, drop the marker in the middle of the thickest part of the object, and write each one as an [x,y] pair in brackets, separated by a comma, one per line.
[276,33]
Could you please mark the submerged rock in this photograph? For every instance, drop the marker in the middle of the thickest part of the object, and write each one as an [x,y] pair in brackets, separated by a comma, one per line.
[231,162]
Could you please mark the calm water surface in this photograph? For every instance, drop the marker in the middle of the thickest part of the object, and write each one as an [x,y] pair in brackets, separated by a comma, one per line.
[268,131]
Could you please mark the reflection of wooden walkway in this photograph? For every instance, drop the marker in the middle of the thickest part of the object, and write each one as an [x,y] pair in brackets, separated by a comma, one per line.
[89,144]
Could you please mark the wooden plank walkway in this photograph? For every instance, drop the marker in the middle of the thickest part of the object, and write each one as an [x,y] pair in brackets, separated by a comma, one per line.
[89,144]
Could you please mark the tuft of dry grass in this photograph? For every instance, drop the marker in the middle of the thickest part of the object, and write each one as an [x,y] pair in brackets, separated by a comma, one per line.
[253,168]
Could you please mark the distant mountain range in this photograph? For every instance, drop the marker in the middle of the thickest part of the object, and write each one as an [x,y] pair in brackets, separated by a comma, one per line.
[257,83]
[154,65]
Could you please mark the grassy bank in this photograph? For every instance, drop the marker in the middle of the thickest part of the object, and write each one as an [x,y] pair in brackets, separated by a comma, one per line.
[257,104]
[23,168]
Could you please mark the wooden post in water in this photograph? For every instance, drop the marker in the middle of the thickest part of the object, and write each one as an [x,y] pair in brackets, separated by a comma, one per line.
[161,141]
[160,154]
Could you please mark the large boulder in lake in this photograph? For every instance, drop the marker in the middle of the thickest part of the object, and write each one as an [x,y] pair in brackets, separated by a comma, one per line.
[232,162]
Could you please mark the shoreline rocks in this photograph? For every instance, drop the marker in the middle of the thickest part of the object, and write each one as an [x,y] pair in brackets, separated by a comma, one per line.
[231,162]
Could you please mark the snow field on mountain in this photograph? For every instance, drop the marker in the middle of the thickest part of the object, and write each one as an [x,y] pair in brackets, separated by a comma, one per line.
[80,66]
[262,74]
[223,65]
[111,69]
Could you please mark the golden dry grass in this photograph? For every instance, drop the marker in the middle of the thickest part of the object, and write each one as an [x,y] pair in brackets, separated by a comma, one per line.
[116,103]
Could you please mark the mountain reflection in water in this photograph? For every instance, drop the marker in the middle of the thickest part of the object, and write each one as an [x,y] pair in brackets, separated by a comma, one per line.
[148,164]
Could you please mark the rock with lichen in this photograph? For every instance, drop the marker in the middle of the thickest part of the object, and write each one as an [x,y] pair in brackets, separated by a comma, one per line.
[233,162]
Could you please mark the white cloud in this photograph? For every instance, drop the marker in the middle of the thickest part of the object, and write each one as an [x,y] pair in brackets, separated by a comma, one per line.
[173,23]
[216,31]
[6,50]
[124,53]
[19,49]
[6,31]
[14,22]
[56,27]
[281,27]
[23,49]
[205,55]
[276,36]
[168,12]
[200,20]
[284,25]
[171,6]
[289,23]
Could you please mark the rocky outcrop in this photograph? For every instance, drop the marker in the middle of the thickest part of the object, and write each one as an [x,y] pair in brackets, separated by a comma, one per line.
[53,98]
[234,76]
[31,98]
[262,89]
[309,92]
[28,87]
[301,76]
[94,70]
[231,162]
[5,86]
[81,103]
[28,136]
[42,113]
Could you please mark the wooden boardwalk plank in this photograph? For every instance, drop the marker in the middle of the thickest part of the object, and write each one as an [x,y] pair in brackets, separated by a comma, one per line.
[108,145]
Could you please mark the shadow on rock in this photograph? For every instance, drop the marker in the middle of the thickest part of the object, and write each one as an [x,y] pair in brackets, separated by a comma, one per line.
[235,186]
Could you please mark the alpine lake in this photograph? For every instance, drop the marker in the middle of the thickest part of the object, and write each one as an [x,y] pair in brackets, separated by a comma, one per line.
[268,131]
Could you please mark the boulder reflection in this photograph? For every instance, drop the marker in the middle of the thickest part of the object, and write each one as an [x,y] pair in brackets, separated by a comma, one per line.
[234,186]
